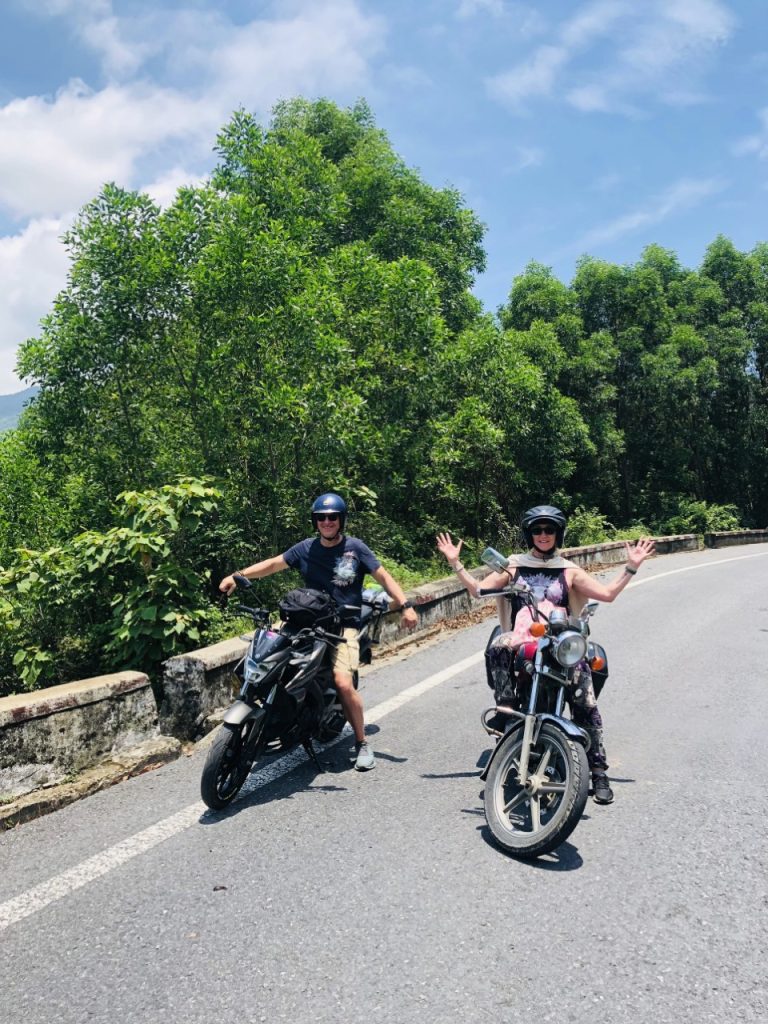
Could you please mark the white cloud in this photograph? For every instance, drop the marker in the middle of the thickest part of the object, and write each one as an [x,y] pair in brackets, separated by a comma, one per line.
[33,266]
[595,20]
[756,144]
[56,151]
[668,44]
[525,157]
[682,195]
[164,188]
[469,8]
[535,77]
[325,47]
[524,21]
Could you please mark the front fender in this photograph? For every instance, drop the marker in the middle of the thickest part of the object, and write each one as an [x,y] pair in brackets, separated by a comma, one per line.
[571,730]
[240,712]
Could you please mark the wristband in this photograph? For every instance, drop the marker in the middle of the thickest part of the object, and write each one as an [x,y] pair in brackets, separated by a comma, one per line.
[630,572]
[406,604]
[458,567]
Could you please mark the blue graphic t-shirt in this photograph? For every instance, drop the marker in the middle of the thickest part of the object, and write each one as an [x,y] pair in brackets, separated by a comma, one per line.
[338,570]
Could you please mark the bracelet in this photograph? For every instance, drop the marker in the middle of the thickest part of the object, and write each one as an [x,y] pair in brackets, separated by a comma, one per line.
[458,567]
[630,572]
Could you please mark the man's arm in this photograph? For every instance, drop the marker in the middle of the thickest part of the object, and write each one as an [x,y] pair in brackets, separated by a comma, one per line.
[409,618]
[256,571]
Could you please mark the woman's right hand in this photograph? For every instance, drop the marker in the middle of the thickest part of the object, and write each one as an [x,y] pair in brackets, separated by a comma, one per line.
[446,547]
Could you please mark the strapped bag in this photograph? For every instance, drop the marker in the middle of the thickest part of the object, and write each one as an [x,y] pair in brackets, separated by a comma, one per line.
[306,607]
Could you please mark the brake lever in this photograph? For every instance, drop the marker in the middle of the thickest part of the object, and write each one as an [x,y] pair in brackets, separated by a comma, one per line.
[324,635]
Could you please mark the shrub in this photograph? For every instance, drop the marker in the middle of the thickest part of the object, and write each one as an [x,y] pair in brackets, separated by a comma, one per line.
[694,516]
[129,597]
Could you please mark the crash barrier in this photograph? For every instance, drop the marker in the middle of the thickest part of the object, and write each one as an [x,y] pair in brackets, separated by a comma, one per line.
[726,538]
[117,724]
[49,736]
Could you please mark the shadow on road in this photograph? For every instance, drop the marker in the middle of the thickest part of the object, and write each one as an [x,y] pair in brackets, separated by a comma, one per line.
[565,858]
[335,759]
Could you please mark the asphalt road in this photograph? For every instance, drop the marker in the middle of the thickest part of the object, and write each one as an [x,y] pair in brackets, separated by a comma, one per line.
[347,897]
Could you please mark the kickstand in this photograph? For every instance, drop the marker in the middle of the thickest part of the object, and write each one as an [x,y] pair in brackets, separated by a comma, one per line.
[307,744]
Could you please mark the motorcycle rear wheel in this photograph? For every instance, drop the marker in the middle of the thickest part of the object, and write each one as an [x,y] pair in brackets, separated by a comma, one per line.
[530,821]
[226,766]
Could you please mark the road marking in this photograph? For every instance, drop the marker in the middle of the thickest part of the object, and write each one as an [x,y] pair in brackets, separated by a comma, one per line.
[41,896]
[692,568]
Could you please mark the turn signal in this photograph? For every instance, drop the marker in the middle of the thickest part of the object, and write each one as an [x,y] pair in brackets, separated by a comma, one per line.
[538,629]
[597,663]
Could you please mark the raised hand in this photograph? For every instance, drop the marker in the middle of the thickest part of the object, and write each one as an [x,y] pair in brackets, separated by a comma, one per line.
[447,548]
[638,553]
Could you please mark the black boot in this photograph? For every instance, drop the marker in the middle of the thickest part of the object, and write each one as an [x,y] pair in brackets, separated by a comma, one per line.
[601,791]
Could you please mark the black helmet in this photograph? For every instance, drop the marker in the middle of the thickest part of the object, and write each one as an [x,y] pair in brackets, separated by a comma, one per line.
[330,502]
[543,514]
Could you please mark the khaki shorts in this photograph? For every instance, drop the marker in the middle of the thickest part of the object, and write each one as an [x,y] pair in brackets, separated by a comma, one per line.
[346,657]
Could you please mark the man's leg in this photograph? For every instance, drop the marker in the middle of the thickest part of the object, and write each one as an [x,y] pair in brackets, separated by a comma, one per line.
[345,663]
[351,702]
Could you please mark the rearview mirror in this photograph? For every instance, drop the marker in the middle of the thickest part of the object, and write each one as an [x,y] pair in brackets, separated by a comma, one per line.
[494,559]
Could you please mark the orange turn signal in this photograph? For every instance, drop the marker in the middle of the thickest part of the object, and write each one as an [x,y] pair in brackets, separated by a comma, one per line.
[597,663]
[538,629]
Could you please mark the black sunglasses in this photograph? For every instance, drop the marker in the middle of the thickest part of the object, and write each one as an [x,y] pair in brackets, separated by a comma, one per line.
[332,517]
[549,530]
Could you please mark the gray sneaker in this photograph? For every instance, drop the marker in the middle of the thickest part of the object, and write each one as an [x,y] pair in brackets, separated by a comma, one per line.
[365,760]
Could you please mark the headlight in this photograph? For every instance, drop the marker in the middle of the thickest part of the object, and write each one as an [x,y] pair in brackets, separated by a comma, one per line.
[570,648]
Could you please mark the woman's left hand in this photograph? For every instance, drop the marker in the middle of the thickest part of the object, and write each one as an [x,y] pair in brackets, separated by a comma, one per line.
[637,555]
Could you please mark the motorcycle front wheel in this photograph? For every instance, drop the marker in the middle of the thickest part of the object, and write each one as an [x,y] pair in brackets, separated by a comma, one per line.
[528,821]
[227,766]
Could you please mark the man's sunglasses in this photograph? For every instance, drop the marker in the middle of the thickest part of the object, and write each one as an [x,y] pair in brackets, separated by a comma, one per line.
[332,517]
[549,530]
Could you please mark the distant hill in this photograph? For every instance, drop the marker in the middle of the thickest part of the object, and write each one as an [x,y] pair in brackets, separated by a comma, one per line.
[11,406]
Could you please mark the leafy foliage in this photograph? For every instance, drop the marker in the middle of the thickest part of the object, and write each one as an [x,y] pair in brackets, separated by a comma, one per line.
[125,598]
[303,322]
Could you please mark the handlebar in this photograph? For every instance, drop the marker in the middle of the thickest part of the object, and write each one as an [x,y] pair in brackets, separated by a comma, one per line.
[317,632]
[508,591]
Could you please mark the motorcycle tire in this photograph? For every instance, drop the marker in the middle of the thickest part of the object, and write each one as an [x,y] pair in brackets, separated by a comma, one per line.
[226,767]
[530,822]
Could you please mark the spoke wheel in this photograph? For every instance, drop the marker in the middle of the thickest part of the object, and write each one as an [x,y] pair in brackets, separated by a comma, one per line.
[530,820]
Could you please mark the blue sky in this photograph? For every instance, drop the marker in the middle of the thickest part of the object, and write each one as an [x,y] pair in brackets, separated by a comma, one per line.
[570,126]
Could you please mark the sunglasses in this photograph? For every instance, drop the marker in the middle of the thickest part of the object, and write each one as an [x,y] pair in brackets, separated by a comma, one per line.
[549,530]
[331,517]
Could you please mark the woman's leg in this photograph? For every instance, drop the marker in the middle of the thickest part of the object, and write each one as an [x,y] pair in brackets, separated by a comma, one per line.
[586,715]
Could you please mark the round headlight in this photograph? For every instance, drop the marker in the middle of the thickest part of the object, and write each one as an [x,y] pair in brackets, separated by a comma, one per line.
[570,648]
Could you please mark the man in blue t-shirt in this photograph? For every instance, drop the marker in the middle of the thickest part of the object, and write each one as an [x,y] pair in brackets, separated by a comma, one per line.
[337,564]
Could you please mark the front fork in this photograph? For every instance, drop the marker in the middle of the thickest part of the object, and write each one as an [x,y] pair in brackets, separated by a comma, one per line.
[533,722]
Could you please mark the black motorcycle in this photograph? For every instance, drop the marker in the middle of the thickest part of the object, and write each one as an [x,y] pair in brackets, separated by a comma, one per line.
[287,696]
[537,778]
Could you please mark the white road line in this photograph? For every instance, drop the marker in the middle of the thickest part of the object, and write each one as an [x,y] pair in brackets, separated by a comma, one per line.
[692,568]
[89,870]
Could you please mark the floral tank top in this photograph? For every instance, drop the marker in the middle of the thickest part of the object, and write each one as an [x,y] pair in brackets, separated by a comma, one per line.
[550,588]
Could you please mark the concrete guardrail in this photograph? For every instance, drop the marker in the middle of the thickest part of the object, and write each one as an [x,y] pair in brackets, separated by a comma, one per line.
[59,743]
